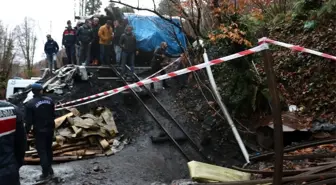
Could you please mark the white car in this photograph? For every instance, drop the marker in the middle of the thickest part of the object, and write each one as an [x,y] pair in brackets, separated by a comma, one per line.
[18,85]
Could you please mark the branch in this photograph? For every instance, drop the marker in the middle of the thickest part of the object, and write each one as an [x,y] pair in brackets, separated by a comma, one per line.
[154,5]
[198,24]
[185,14]
[149,10]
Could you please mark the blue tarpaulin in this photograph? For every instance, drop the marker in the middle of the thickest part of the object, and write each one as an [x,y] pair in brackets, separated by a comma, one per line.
[150,31]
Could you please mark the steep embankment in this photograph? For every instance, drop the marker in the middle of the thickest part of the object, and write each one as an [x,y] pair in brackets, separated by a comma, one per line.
[306,80]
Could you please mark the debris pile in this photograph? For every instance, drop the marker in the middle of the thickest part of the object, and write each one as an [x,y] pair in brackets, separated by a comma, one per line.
[82,136]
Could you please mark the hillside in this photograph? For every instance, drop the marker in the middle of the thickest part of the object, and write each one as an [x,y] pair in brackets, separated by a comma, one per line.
[306,80]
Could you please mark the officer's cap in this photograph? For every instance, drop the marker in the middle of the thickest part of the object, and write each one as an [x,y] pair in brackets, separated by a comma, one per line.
[36,86]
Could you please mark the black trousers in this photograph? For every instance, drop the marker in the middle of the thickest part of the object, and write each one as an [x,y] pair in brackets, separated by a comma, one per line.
[95,51]
[105,57]
[44,149]
[71,54]
[156,68]
[182,79]
[84,54]
[10,175]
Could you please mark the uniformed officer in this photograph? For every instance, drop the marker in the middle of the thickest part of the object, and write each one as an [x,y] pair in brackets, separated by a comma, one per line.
[12,143]
[40,112]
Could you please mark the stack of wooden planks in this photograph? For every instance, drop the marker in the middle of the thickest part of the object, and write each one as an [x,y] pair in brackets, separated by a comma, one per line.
[81,136]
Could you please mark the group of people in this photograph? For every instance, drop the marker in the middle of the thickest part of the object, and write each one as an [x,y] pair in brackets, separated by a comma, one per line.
[39,113]
[94,42]
[91,44]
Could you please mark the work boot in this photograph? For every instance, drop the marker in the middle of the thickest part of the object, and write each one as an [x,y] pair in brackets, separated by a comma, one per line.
[44,178]
[51,172]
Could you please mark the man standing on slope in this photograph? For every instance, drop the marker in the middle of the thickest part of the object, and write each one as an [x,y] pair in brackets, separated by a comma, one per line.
[13,142]
[85,36]
[69,41]
[105,40]
[95,51]
[51,49]
[118,31]
[128,45]
[40,112]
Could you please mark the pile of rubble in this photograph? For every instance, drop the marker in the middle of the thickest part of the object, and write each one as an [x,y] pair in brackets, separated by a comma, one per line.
[82,136]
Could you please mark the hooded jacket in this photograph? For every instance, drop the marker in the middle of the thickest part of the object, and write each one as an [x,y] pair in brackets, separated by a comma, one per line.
[128,42]
[51,47]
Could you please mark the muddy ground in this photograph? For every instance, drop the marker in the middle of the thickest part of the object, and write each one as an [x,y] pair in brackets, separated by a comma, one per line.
[141,162]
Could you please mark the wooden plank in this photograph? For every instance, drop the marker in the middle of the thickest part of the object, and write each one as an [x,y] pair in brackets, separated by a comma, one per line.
[59,121]
[317,170]
[104,144]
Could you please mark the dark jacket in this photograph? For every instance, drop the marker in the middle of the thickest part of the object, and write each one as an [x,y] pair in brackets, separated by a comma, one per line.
[128,42]
[95,37]
[51,47]
[13,140]
[40,112]
[69,37]
[118,31]
[157,56]
[84,34]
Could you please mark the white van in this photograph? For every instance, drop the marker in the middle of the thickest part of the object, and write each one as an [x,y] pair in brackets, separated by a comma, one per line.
[18,85]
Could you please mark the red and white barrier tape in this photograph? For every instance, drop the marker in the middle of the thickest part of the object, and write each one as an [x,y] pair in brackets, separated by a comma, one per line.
[106,96]
[296,48]
[162,77]
[178,59]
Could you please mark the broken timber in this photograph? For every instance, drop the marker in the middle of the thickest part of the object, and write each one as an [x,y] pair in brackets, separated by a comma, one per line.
[81,136]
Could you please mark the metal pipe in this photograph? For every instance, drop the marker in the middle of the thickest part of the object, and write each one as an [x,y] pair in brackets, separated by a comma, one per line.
[223,107]
[108,78]
[153,116]
[172,118]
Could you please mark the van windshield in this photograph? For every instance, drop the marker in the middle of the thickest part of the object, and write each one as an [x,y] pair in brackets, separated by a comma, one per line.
[18,90]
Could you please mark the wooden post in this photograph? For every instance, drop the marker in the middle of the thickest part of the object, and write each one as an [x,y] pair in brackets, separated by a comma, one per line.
[277,119]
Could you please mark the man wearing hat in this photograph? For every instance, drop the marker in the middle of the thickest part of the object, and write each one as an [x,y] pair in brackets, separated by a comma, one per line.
[12,143]
[40,112]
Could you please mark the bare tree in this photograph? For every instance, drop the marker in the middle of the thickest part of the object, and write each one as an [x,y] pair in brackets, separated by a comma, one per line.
[92,6]
[26,38]
[7,54]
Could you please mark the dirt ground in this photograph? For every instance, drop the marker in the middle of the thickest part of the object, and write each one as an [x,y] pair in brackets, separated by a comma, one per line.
[140,162]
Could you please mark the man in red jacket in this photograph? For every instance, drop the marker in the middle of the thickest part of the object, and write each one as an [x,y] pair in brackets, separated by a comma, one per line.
[69,41]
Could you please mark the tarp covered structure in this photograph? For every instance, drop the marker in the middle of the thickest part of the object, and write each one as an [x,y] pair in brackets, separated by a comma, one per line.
[150,31]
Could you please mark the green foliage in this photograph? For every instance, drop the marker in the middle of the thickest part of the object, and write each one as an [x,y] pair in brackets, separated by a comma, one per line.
[252,24]
[92,6]
[327,8]
[313,9]
[237,79]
